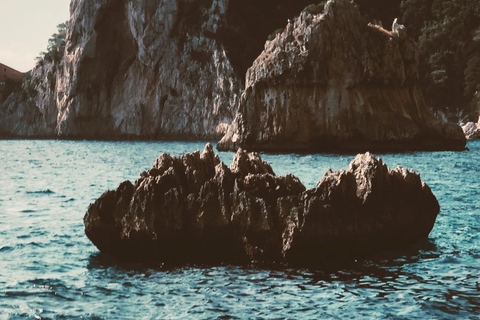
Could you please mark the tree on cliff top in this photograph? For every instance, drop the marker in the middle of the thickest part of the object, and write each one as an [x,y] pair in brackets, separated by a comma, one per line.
[56,45]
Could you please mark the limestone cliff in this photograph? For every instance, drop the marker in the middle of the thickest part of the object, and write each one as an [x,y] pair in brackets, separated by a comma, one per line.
[146,69]
[331,81]
[131,69]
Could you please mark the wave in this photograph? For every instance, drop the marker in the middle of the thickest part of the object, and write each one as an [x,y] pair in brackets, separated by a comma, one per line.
[28,211]
[46,191]
[6,249]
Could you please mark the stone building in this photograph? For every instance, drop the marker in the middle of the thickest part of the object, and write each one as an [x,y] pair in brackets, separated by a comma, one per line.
[7,73]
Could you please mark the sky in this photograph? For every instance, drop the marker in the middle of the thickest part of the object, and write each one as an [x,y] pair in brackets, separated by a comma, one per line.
[26,26]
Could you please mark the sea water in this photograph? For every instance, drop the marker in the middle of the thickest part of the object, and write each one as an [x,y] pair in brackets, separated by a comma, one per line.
[50,270]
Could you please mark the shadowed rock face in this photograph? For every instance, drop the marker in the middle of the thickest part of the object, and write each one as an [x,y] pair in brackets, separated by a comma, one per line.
[331,82]
[196,209]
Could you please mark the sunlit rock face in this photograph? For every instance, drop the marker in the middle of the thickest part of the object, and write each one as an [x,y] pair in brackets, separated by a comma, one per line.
[330,81]
[472,130]
[146,69]
[194,208]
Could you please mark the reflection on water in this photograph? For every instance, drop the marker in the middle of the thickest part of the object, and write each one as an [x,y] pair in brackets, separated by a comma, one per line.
[50,270]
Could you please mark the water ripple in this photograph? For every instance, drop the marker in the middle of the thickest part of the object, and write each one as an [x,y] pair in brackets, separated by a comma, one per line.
[51,271]
[40,192]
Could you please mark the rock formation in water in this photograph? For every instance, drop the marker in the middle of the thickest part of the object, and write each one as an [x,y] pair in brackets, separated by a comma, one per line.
[332,81]
[146,69]
[196,209]
[472,130]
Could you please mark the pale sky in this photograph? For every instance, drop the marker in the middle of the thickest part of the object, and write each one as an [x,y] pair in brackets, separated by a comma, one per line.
[26,26]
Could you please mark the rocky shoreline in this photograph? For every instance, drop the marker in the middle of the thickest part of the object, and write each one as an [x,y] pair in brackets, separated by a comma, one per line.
[195,209]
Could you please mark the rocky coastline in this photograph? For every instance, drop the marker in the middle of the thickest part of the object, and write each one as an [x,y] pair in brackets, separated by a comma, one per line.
[328,80]
[195,209]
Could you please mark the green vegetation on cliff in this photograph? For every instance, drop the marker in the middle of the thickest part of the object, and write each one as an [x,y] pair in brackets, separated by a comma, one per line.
[54,54]
[56,46]
[449,41]
[448,34]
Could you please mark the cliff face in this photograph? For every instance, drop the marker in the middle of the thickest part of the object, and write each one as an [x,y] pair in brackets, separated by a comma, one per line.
[131,69]
[146,69]
[32,111]
[174,69]
[331,81]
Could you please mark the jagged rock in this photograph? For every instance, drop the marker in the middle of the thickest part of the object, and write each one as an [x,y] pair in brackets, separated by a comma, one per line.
[472,130]
[196,209]
[330,81]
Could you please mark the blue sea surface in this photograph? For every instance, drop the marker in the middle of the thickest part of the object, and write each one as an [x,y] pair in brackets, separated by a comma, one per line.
[50,270]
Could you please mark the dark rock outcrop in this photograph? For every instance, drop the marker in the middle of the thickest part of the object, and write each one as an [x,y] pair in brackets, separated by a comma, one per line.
[196,209]
[332,81]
